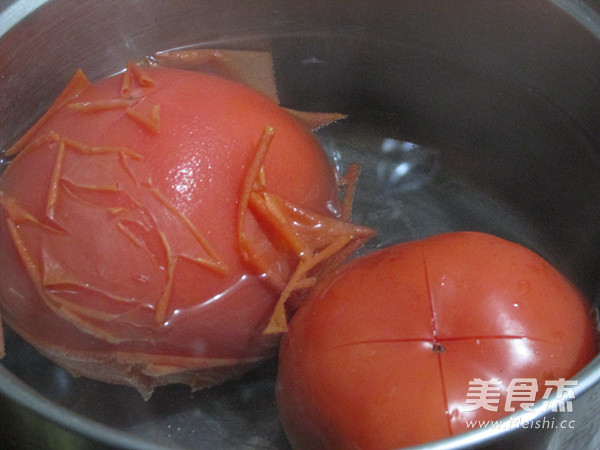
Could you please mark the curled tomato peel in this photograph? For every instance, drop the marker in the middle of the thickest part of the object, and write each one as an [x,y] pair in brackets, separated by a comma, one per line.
[334,242]
[128,251]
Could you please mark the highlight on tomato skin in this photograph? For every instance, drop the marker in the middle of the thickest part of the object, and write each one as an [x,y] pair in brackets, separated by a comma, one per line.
[153,225]
[381,354]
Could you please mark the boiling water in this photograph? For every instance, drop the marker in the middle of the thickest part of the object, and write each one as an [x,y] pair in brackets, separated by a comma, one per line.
[406,191]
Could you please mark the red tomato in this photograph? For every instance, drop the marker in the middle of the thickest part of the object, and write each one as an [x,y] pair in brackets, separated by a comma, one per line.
[381,355]
[120,244]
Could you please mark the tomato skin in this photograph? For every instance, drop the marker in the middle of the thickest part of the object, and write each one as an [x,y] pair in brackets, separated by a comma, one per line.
[209,129]
[381,354]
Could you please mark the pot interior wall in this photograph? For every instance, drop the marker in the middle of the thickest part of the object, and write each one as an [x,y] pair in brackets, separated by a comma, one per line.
[464,115]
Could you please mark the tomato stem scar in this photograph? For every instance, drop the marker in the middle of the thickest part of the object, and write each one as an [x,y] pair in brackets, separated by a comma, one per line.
[438,348]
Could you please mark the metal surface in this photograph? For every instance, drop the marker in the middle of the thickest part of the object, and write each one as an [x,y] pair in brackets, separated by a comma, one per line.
[469,114]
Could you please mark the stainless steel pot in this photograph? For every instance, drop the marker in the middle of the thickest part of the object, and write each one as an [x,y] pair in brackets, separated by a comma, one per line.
[471,114]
